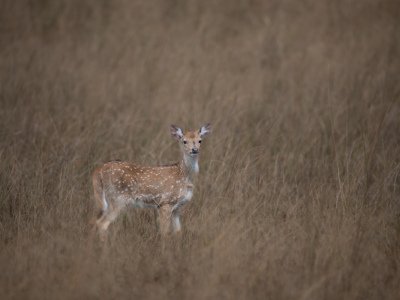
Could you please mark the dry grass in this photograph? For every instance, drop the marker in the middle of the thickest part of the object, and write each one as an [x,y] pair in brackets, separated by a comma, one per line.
[298,195]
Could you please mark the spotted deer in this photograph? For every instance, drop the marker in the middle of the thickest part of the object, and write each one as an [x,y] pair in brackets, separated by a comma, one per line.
[119,184]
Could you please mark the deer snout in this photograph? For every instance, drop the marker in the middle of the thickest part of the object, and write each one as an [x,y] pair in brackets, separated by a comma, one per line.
[195,150]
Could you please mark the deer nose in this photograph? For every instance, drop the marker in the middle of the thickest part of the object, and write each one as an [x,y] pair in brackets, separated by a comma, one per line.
[195,150]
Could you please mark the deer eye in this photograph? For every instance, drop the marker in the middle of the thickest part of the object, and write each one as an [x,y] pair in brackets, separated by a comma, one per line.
[200,142]
[185,142]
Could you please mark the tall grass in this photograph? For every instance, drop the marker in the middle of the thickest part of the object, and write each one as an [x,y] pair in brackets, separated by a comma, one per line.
[298,193]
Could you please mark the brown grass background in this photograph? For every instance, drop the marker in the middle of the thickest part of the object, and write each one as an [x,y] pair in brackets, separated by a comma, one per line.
[298,194]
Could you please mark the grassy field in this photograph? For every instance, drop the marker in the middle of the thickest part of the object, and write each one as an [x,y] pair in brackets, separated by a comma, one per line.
[298,195]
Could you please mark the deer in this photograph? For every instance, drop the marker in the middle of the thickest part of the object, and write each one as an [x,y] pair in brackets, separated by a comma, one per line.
[118,185]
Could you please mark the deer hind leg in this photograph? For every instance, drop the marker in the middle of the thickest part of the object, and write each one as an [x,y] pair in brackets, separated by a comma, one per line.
[100,199]
[99,194]
[109,212]
[106,219]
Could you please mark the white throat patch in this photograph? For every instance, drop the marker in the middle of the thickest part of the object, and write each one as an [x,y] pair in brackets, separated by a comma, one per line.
[192,163]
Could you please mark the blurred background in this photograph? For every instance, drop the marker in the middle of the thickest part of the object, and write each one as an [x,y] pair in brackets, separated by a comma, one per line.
[298,192]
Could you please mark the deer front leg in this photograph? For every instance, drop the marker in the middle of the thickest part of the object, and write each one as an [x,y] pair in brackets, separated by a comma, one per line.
[165,217]
[176,222]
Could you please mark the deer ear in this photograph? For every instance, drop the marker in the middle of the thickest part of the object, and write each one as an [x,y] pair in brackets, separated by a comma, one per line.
[176,132]
[205,129]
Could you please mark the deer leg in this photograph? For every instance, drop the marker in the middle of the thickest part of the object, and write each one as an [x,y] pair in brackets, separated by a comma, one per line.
[155,213]
[105,220]
[176,222]
[100,199]
[164,216]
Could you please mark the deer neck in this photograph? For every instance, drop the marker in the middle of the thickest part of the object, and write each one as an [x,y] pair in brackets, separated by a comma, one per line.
[190,166]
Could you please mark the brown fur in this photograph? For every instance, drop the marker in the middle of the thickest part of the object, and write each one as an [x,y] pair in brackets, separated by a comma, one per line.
[118,184]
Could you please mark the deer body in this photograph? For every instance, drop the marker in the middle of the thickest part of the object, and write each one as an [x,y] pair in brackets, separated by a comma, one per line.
[118,185]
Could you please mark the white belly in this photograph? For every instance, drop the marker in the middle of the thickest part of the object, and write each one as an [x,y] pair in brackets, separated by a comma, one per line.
[143,201]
